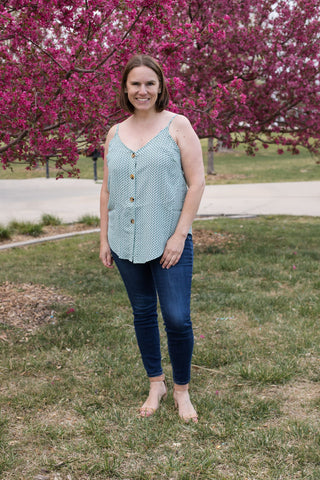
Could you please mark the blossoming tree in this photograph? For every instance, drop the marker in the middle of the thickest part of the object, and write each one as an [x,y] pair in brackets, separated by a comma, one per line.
[241,71]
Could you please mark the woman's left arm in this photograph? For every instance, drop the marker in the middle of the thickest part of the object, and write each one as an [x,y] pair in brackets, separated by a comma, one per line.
[192,165]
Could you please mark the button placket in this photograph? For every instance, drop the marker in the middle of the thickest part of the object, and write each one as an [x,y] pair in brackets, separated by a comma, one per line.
[132,186]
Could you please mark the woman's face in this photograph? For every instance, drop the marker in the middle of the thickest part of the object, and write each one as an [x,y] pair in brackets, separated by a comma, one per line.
[142,87]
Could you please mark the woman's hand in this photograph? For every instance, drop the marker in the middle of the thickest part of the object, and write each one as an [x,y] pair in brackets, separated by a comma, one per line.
[173,251]
[105,255]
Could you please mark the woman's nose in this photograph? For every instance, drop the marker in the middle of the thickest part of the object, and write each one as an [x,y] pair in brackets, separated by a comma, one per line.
[142,89]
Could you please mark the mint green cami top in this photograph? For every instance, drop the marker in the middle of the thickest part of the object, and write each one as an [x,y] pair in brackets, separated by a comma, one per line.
[147,189]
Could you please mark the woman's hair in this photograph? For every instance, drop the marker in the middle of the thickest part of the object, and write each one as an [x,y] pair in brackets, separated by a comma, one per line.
[147,61]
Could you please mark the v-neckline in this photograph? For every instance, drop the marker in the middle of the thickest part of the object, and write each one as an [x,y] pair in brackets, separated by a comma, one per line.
[146,144]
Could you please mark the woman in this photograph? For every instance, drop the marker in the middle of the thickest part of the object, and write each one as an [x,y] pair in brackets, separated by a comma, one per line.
[151,191]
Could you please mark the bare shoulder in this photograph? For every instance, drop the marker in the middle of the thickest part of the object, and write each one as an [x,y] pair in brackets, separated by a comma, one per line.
[182,131]
[111,133]
[181,122]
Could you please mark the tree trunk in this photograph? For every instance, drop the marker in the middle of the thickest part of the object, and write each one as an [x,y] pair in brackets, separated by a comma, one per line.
[210,167]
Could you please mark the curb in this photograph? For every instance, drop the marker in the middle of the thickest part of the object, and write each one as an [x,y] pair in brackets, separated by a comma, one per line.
[47,239]
[96,230]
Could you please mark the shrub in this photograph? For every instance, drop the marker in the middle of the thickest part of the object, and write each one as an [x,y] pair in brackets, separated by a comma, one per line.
[4,233]
[26,228]
[90,220]
[48,219]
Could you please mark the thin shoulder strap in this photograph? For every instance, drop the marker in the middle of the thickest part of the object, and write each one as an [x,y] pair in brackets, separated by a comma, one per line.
[172,118]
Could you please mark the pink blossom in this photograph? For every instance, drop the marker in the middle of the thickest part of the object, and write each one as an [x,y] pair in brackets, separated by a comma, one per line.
[61,63]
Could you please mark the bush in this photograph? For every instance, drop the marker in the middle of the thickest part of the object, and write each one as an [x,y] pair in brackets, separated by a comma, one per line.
[26,228]
[4,233]
[48,219]
[90,220]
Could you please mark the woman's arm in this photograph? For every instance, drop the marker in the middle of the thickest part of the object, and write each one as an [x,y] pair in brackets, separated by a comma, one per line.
[192,165]
[105,252]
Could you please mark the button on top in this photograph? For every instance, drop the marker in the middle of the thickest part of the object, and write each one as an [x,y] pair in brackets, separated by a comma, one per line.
[133,155]
[131,199]
[132,176]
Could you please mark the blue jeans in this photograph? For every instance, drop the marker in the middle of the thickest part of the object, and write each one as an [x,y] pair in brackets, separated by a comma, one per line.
[143,282]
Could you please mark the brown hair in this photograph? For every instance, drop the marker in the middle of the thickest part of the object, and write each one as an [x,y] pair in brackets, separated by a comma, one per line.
[147,61]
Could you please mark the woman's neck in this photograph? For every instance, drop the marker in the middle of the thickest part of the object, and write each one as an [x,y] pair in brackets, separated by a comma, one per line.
[143,116]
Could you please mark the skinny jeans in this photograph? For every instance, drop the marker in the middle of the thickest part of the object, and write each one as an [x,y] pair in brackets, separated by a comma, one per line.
[145,282]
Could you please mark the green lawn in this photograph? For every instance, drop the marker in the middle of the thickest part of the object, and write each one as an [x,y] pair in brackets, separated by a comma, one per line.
[71,385]
[266,166]
[85,164]
[231,167]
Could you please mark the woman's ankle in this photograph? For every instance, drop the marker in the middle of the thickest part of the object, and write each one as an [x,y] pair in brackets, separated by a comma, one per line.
[180,388]
[159,378]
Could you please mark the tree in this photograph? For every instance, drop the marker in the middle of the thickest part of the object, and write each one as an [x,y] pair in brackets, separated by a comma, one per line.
[241,71]
[60,64]
[253,73]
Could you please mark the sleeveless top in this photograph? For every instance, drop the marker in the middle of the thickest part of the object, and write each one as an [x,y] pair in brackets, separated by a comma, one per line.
[147,189]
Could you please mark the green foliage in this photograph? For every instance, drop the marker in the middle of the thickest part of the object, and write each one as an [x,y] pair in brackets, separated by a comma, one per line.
[4,233]
[90,220]
[48,219]
[26,228]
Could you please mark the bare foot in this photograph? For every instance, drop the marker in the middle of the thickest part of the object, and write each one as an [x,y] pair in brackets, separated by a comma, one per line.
[183,403]
[157,392]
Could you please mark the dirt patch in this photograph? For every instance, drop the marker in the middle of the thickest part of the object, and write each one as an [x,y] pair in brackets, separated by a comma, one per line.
[211,178]
[206,238]
[27,306]
[56,415]
[297,400]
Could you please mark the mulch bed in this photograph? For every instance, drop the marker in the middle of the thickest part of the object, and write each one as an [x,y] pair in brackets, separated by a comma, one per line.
[27,306]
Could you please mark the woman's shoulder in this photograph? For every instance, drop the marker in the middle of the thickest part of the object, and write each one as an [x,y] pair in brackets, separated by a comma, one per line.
[182,131]
[111,133]
[180,120]
[180,123]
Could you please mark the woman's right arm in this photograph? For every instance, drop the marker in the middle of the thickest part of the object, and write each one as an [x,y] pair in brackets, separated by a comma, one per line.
[105,252]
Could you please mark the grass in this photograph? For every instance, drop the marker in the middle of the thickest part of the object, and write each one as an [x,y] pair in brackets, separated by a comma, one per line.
[19,172]
[70,389]
[231,167]
[48,219]
[26,228]
[90,220]
[266,166]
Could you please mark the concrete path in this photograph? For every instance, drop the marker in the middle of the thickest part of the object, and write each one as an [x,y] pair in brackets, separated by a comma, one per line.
[70,199]
[296,198]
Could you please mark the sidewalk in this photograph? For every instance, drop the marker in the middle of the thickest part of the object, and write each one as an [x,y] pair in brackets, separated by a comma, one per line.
[295,198]
[70,199]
